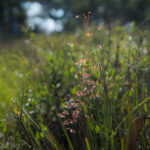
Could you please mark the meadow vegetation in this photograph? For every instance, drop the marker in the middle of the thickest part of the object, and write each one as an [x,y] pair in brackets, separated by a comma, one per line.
[84,91]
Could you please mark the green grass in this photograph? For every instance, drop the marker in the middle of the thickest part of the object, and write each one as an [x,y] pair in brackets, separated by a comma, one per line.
[39,79]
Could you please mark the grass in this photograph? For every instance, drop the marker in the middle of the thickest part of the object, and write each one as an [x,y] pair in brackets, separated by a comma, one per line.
[77,92]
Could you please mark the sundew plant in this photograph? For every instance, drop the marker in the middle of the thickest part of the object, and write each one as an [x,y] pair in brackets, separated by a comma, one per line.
[105,106]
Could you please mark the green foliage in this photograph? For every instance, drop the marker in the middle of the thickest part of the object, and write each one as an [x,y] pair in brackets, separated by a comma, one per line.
[39,78]
[11,14]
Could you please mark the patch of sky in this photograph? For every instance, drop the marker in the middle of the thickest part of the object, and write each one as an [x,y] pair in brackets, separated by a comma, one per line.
[32,8]
[59,13]
[35,11]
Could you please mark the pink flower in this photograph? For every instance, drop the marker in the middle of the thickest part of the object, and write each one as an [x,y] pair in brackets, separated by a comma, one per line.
[86,75]
[65,113]
[85,69]
[79,93]
[79,73]
[67,106]
[83,60]
[78,63]
[72,131]
[74,104]
[80,85]
[61,115]
[66,122]
[99,46]
[75,114]
[88,92]
[89,82]
[92,88]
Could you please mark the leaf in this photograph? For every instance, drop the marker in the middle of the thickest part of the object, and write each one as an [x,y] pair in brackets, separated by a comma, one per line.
[87,144]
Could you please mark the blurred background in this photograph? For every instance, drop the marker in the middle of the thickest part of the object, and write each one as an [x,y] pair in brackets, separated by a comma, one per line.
[52,16]
[41,41]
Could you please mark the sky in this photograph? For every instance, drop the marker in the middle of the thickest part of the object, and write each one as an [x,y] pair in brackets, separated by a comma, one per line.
[34,12]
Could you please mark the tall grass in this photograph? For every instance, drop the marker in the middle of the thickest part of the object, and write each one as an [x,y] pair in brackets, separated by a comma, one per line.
[87,91]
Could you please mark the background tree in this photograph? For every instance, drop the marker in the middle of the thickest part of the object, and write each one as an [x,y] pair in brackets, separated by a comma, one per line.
[12,16]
